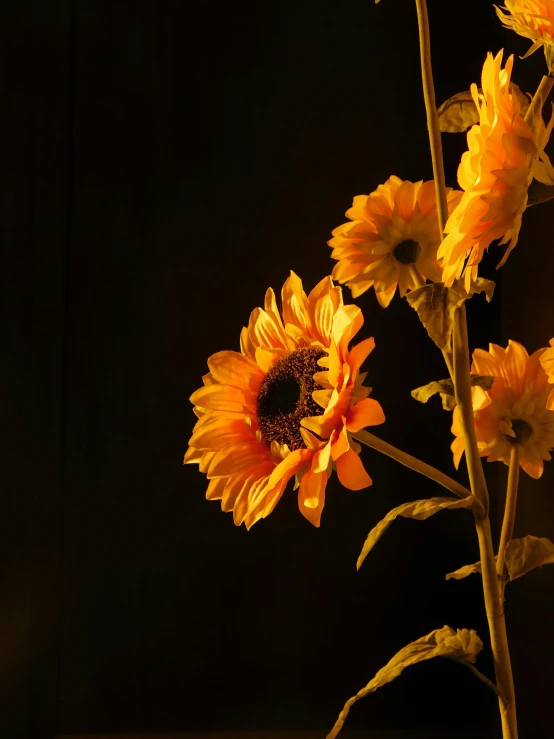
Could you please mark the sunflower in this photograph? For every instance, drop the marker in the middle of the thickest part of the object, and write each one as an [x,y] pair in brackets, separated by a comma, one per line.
[504,154]
[533,19]
[286,404]
[513,411]
[391,240]
[547,362]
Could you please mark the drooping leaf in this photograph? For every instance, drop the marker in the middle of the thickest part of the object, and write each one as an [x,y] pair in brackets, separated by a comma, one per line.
[418,509]
[523,555]
[459,112]
[480,285]
[436,304]
[462,645]
[446,390]
[464,571]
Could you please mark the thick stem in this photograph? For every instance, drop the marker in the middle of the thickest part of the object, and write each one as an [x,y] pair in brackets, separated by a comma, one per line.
[491,586]
[462,385]
[497,629]
[509,511]
[539,98]
[412,462]
[431,110]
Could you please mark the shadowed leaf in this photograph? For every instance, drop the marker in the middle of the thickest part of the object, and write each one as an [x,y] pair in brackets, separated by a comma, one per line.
[462,645]
[539,193]
[523,555]
[418,509]
[446,390]
[459,112]
[436,304]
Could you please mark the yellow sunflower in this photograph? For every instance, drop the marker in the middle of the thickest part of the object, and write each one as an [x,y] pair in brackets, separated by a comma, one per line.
[504,154]
[513,411]
[391,240]
[547,362]
[286,404]
[533,19]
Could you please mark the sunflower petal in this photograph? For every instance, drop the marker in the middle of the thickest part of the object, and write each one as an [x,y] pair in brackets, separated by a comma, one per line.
[367,412]
[351,471]
[311,496]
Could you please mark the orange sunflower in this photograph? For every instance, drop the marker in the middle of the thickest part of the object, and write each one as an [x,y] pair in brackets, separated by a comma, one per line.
[547,362]
[513,411]
[286,404]
[504,155]
[533,19]
[391,240]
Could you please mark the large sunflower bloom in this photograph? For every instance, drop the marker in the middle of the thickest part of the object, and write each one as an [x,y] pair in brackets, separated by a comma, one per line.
[286,405]
[504,155]
[513,411]
[533,19]
[391,240]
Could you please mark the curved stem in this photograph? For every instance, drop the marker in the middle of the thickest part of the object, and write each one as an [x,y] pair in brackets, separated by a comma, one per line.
[479,674]
[412,462]
[509,512]
[539,98]
[431,110]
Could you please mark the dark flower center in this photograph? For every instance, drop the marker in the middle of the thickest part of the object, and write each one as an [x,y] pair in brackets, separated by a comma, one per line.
[285,397]
[407,252]
[522,430]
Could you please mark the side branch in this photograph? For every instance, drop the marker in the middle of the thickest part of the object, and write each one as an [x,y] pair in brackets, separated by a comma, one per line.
[374,442]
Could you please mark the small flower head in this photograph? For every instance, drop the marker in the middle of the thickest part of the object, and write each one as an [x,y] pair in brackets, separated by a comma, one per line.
[533,19]
[504,154]
[287,404]
[513,411]
[391,240]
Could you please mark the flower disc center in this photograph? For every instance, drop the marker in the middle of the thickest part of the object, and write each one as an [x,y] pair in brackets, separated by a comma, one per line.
[285,397]
[407,251]
[522,430]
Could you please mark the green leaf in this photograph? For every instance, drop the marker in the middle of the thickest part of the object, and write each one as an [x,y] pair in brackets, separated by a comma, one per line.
[462,645]
[459,112]
[436,304]
[443,387]
[464,571]
[418,509]
[523,555]
[446,390]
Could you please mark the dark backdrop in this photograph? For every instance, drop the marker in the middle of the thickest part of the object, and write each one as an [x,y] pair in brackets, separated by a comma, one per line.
[163,163]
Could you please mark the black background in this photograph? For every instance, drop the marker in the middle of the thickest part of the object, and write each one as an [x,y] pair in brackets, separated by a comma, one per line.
[162,164]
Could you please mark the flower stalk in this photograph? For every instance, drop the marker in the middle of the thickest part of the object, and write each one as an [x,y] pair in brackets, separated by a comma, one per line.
[539,98]
[374,442]
[509,512]
[462,386]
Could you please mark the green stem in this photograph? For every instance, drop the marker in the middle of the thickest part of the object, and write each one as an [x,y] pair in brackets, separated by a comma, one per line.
[462,386]
[431,110]
[539,98]
[509,512]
